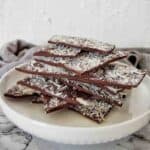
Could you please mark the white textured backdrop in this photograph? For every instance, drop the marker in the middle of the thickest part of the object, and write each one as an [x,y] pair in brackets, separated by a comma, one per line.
[123,22]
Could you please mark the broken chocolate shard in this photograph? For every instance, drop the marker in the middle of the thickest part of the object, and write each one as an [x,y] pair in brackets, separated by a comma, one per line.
[83,43]
[83,62]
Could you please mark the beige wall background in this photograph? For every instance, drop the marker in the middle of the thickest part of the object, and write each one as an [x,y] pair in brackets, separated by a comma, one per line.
[123,22]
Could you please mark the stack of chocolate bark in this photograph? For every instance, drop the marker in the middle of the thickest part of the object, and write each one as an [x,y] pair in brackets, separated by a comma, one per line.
[81,74]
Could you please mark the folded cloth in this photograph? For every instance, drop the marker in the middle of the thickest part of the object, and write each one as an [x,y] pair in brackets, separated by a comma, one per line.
[134,57]
[140,58]
[14,53]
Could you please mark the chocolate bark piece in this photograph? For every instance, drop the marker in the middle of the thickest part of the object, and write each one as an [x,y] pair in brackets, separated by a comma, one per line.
[48,86]
[98,92]
[19,91]
[83,43]
[117,74]
[83,62]
[96,110]
[114,74]
[58,50]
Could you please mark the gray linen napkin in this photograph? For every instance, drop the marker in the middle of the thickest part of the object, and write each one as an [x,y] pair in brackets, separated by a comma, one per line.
[15,53]
[139,57]
[12,54]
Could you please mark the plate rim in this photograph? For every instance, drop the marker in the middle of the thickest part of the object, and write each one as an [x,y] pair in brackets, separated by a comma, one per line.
[116,125]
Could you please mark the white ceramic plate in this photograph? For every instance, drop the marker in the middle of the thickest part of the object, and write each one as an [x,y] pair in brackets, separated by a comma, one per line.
[69,127]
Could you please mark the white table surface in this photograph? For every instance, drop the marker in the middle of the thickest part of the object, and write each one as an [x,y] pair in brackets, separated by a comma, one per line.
[13,137]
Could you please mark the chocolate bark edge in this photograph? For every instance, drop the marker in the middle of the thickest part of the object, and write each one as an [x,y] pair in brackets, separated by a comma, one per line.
[13,96]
